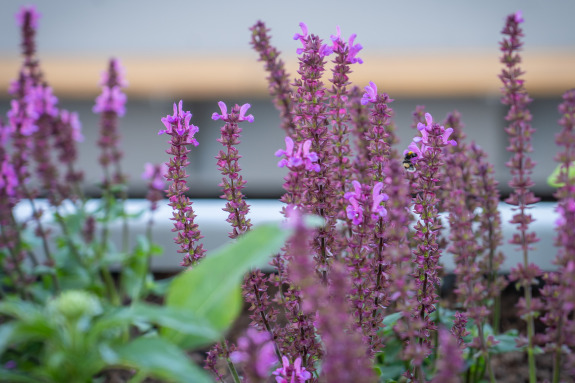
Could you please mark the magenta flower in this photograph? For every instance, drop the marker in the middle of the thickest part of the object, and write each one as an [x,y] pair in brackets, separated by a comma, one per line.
[241,117]
[43,100]
[71,118]
[301,157]
[155,173]
[111,100]
[291,374]
[354,50]
[370,94]
[358,199]
[179,123]
[425,129]
[23,116]
[424,141]
[256,353]
[303,37]
[116,75]
[8,178]
[377,208]
[354,210]
[28,11]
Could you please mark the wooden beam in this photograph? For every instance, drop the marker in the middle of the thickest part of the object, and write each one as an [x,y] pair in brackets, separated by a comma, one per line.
[208,77]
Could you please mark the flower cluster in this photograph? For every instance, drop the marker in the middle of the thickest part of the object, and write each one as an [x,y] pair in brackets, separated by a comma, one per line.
[110,104]
[155,175]
[255,351]
[433,139]
[233,183]
[300,158]
[521,166]
[358,200]
[182,133]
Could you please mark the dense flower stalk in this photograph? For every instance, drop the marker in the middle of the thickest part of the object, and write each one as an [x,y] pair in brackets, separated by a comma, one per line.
[255,352]
[67,133]
[154,174]
[488,197]
[279,86]
[472,290]
[450,363]
[27,19]
[359,115]
[182,133]
[311,117]
[559,337]
[233,183]
[520,131]
[365,210]
[434,138]
[381,137]
[345,55]
[346,356]
[111,105]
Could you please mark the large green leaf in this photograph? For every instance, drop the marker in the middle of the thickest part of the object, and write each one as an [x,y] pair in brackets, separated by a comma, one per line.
[552,179]
[211,291]
[160,358]
[199,332]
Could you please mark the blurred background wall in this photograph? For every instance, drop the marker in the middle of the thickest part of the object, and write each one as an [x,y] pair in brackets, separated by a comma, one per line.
[440,54]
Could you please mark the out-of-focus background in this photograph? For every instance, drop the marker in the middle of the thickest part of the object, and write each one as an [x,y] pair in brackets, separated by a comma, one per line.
[440,54]
[443,55]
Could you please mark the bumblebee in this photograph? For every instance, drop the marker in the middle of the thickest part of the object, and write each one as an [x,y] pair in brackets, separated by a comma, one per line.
[407,163]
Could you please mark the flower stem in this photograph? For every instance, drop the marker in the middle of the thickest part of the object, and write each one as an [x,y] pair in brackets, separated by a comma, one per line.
[231,366]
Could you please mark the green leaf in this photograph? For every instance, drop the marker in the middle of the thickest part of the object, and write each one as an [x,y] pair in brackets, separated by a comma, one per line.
[506,342]
[211,290]
[158,357]
[199,331]
[135,269]
[552,179]
[15,377]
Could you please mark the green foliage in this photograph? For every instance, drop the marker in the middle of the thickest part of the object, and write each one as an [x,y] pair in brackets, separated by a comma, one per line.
[212,290]
[77,334]
[552,179]
[391,367]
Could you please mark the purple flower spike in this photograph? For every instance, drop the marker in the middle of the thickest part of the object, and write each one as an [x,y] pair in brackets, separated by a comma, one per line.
[294,159]
[179,123]
[242,116]
[446,135]
[377,197]
[155,174]
[28,11]
[291,374]
[370,94]
[354,50]
[111,100]
[8,177]
[303,36]
[223,109]
[354,210]
[337,35]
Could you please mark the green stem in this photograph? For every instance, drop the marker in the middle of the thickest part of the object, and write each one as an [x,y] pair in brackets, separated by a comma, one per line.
[110,286]
[557,365]
[530,322]
[496,314]
[486,354]
[230,363]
